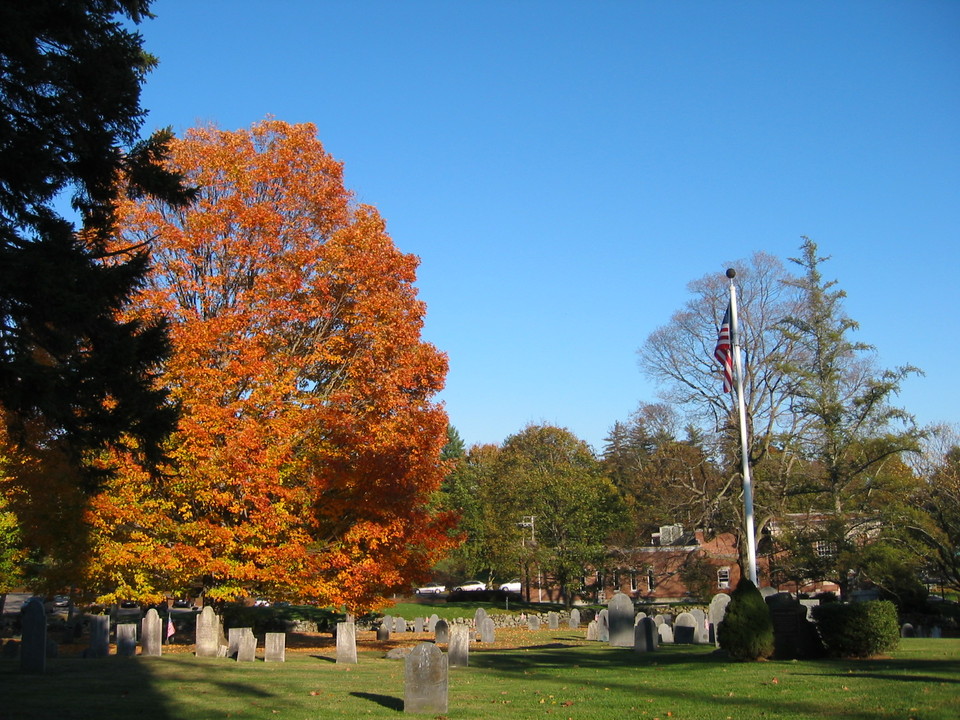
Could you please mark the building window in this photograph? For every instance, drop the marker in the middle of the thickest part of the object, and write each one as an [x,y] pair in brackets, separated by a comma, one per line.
[825,548]
[723,577]
[651,583]
[633,582]
[616,580]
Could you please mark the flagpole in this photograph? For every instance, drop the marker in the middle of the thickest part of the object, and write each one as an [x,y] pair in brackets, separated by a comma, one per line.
[744,445]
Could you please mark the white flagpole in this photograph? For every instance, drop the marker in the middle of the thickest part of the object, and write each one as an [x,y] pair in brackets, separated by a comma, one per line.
[744,445]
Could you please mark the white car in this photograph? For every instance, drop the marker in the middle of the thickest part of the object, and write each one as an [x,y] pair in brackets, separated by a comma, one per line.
[431,589]
[512,586]
[470,586]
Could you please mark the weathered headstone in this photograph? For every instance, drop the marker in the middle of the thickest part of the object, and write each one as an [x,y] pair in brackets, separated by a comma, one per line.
[346,643]
[387,622]
[906,630]
[209,631]
[620,617]
[151,637]
[441,631]
[247,647]
[275,647]
[432,623]
[99,636]
[33,637]
[715,614]
[603,626]
[418,625]
[666,633]
[638,617]
[399,625]
[425,680]
[685,629]
[233,640]
[533,622]
[553,620]
[479,616]
[459,650]
[487,631]
[593,630]
[383,633]
[574,619]
[794,637]
[127,639]
[700,616]
[646,638]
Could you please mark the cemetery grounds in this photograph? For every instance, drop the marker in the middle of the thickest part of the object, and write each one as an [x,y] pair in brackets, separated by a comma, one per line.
[549,674]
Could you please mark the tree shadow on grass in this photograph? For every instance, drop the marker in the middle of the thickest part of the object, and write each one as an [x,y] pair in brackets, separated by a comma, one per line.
[391,703]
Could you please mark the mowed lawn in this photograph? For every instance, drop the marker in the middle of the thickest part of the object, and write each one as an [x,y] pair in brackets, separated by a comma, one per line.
[545,674]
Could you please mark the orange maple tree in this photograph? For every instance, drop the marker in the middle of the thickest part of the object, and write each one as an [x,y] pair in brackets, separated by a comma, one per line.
[309,443]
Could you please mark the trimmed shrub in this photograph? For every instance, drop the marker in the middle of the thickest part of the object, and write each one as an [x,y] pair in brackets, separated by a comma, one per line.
[860,629]
[746,632]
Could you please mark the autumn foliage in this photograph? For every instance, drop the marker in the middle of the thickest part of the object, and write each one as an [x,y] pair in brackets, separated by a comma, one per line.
[309,444]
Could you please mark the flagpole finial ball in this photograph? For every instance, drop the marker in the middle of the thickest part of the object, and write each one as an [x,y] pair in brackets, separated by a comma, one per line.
[731,273]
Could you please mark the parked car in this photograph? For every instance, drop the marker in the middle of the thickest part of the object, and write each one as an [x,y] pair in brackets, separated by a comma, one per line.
[470,586]
[511,586]
[431,589]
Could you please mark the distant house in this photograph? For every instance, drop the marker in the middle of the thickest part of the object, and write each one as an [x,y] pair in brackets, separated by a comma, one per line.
[676,565]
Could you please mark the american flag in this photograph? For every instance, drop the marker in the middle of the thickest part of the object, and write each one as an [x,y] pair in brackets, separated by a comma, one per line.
[723,352]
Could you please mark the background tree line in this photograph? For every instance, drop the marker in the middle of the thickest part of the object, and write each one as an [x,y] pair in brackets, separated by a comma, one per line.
[847,488]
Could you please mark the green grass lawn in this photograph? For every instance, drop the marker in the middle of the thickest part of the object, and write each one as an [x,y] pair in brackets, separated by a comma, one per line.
[548,674]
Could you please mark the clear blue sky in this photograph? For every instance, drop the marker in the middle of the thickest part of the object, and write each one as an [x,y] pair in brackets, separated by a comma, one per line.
[564,169]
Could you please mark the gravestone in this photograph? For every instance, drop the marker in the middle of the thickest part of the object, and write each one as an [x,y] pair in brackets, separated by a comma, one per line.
[383,633]
[479,616]
[533,622]
[685,629]
[425,680]
[247,647]
[441,632]
[593,630]
[418,625]
[99,636]
[767,591]
[127,639]
[432,623]
[906,631]
[33,637]
[487,631]
[399,625]
[553,620]
[387,622]
[209,631]
[666,633]
[794,637]
[715,614]
[459,650]
[275,647]
[603,626]
[700,637]
[151,637]
[661,619]
[645,636]
[620,617]
[233,640]
[640,615]
[346,643]
[574,619]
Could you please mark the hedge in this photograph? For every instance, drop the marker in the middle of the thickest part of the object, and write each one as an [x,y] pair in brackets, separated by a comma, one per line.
[861,629]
